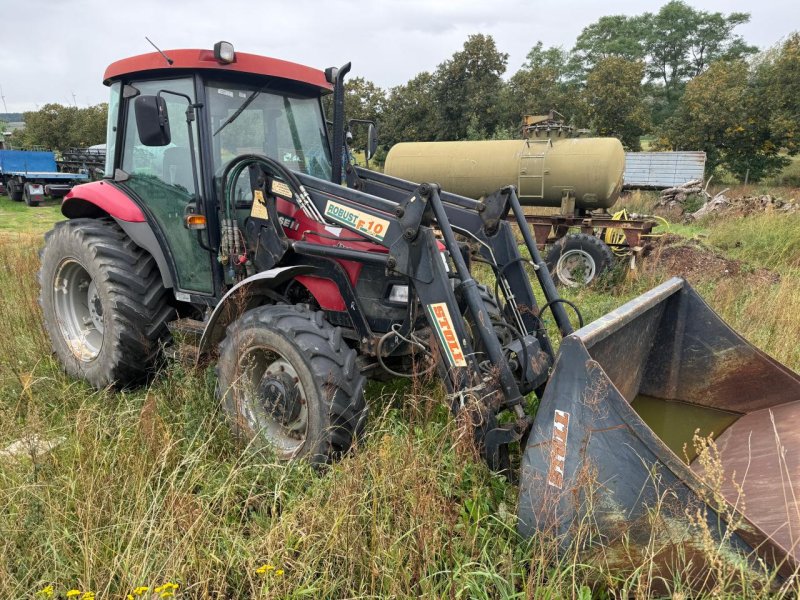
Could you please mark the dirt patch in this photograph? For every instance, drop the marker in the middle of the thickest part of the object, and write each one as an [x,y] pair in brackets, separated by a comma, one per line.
[693,260]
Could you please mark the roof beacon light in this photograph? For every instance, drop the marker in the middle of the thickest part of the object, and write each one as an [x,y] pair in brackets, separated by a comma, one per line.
[223,53]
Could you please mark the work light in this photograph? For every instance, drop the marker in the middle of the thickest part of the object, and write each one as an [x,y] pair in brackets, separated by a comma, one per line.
[223,52]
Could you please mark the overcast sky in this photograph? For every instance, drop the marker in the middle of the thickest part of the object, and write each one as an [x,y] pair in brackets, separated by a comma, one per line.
[52,49]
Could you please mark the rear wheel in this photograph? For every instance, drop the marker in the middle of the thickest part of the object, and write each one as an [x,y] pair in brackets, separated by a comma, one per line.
[15,192]
[578,259]
[288,382]
[105,308]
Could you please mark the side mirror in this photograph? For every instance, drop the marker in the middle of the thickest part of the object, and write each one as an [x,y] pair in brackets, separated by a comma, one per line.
[372,140]
[152,120]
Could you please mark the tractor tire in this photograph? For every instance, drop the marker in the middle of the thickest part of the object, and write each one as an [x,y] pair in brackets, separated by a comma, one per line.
[105,308]
[27,195]
[15,193]
[288,382]
[577,259]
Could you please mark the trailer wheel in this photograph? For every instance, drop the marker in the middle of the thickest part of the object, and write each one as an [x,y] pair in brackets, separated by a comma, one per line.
[15,192]
[105,308]
[578,258]
[26,192]
[288,382]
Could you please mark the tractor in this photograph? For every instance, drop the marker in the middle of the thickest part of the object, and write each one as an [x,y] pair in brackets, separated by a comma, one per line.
[231,217]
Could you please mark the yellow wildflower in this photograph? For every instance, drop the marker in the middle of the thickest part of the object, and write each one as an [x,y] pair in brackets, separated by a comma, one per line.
[140,590]
[166,590]
[73,593]
[264,568]
[46,592]
[129,597]
[279,572]
[87,596]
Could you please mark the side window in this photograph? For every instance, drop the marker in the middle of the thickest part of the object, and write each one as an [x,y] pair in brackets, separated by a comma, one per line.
[171,164]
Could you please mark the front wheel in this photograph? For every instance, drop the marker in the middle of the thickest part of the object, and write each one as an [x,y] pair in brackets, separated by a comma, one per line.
[104,306]
[287,381]
[578,259]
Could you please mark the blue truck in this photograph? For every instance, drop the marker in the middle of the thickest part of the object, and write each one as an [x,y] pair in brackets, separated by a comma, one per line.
[31,175]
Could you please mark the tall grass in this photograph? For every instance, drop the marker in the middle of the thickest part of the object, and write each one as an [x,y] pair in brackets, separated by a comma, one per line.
[148,487]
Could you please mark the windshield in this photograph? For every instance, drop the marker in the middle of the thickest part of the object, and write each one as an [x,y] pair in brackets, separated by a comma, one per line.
[281,125]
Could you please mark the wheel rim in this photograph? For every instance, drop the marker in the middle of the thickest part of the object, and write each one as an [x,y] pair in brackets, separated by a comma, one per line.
[78,309]
[575,268]
[272,400]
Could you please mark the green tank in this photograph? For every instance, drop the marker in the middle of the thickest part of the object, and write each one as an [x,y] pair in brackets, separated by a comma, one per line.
[544,169]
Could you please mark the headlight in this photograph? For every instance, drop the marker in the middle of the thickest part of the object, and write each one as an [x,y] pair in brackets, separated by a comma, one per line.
[399,294]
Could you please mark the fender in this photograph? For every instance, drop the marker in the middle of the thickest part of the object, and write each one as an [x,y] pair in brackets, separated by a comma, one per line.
[100,199]
[245,295]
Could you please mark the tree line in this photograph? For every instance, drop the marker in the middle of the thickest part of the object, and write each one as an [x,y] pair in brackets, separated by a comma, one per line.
[58,127]
[682,76]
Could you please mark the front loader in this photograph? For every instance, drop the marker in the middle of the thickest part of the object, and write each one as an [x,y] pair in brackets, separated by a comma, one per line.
[224,220]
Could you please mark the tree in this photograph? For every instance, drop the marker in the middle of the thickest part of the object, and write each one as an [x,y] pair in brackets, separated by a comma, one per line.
[677,43]
[778,74]
[363,100]
[60,127]
[615,100]
[467,88]
[725,112]
[545,82]
[614,35]
[680,43]
[410,114]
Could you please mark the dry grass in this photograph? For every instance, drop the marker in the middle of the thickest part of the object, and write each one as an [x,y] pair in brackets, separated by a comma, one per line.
[148,487]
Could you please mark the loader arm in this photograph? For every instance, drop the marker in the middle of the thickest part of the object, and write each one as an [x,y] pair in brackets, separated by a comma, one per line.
[412,222]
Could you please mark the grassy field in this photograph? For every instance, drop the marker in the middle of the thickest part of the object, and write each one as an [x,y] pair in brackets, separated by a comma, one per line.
[17,217]
[147,488]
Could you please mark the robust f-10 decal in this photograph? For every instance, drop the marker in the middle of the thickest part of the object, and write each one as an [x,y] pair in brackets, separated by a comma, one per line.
[365,223]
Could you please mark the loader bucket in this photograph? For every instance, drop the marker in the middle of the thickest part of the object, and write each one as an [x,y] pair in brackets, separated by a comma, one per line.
[610,462]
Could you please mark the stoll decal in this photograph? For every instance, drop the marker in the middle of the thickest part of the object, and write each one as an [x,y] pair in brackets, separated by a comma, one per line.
[447,335]
[558,451]
[363,222]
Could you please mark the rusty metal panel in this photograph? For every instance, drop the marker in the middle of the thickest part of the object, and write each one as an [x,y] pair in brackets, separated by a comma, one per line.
[662,169]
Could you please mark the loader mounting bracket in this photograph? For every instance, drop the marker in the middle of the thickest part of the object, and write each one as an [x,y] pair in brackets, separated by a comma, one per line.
[494,209]
[497,440]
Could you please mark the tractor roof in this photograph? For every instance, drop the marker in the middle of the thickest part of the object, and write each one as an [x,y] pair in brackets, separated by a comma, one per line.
[193,60]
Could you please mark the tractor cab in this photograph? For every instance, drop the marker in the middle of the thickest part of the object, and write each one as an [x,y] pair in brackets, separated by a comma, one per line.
[177,119]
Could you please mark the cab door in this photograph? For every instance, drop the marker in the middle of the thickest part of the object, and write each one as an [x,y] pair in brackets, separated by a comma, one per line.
[161,177]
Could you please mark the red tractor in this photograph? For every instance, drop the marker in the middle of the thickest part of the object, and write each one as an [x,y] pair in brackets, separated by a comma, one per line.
[223,215]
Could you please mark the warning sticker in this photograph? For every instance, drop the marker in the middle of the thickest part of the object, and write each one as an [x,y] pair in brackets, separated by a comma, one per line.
[440,316]
[259,208]
[363,222]
[278,188]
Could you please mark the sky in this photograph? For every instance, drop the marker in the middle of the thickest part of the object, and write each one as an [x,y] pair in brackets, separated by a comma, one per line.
[61,47]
